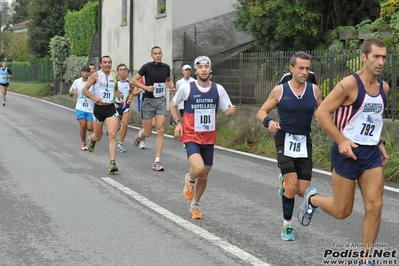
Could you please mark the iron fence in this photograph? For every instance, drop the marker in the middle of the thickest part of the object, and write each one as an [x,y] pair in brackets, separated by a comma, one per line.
[250,77]
[34,73]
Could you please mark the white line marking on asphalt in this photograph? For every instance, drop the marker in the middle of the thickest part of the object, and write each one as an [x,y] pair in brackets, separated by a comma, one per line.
[396,190]
[243,255]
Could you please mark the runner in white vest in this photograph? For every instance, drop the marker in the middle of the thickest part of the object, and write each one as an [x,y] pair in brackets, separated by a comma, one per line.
[105,90]
[84,105]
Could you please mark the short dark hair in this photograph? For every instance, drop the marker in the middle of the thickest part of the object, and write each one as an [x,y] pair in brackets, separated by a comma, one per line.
[366,47]
[105,56]
[85,68]
[122,64]
[301,55]
[155,47]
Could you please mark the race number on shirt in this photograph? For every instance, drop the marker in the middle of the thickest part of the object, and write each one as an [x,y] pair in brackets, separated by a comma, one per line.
[204,120]
[159,90]
[295,146]
[368,129]
[107,95]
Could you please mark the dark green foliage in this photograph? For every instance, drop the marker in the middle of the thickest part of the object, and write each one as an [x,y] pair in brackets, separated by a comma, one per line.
[47,20]
[20,8]
[80,27]
[75,5]
[287,24]
[279,24]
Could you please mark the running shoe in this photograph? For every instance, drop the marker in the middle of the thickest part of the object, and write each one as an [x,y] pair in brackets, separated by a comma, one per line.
[112,167]
[142,145]
[288,233]
[305,210]
[84,146]
[4,103]
[188,190]
[120,148]
[281,190]
[137,139]
[91,145]
[157,166]
[195,212]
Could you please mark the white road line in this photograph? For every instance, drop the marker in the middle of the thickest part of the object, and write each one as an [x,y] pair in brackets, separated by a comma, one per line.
[396,190]
[241,254]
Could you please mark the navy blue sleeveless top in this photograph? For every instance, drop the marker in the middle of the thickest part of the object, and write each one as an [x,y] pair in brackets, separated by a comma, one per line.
[296,112]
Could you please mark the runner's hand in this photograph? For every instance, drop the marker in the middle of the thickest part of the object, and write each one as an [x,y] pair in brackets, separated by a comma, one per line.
[345,147]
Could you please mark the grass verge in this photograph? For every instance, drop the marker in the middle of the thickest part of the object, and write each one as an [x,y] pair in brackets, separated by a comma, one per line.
[34,90]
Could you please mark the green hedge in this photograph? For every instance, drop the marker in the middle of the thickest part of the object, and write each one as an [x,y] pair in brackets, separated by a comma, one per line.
[80,28]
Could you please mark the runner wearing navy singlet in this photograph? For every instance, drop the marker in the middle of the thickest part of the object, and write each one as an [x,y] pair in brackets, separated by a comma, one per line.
[358,154]
[296,101]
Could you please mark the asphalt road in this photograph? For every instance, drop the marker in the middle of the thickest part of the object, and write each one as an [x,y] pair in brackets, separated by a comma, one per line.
[60,206]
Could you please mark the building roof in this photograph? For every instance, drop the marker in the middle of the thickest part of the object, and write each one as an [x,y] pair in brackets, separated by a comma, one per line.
[20,25]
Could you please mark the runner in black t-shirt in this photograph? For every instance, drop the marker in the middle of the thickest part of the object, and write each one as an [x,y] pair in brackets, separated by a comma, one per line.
[157,77]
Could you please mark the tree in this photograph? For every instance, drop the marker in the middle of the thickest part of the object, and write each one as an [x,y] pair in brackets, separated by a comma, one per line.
[5,13]
[20,8]
[46,21]
[287,24]
[16,46]
[76,5]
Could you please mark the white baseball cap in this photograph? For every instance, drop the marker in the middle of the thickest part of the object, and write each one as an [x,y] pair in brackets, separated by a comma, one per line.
[202,60]
[185,67]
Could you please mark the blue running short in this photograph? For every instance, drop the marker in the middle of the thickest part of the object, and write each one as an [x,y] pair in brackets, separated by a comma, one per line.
[368,157]
[84,115]
[206,151]
[121,110]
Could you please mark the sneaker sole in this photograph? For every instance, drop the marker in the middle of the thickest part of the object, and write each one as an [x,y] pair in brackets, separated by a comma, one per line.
[113,170]
[286,239]
[158,170]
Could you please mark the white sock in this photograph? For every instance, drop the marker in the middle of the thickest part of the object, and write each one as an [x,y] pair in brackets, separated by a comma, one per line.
[156,159]
[287,222]
[190,179]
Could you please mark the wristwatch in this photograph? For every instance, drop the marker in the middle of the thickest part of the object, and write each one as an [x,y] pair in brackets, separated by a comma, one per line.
[382,141]
[177,121]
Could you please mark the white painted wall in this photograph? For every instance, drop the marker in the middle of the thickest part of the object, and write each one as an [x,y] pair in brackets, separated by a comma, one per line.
[187,12]
[115,38]
[150,31]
